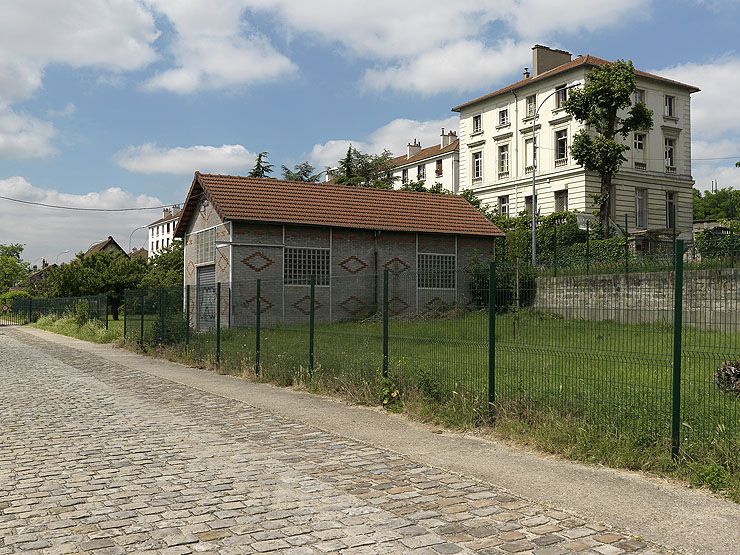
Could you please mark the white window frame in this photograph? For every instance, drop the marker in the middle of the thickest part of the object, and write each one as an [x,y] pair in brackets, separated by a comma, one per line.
[503,116]
[421,172]
[477,164]
[433,271]
[530,106]
[561,95]
[479,128]
[561,194]
[670,153]
[204,242]
[314,260]
[561,135]
[640,96]
[503,161]
[639,141]
[641,205]
[528,156]
[439,168]
[669,106]
[405,175]
[504,205]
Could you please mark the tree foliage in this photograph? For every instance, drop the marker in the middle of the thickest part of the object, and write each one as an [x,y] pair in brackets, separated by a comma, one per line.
[301,172]
[166,269]
[261,167]
[365,170]
[600,105]
[720,205]
[12,268]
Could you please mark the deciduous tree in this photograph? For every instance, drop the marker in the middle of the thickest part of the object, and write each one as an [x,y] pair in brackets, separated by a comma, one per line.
[12,268]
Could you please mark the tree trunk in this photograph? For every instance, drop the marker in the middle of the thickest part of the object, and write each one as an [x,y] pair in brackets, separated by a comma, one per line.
[114,310]
[606,200]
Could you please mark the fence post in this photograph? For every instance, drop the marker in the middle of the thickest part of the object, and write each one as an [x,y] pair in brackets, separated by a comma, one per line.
[187,316]
[626,248]
[161,315]
[491,339]
[677,336]
[30,309]
[218,323]
[311,322]
[141,322]
[385,323]
[673,228]
[106,312]
[125,310]
[257,330]
[588,249]
[555,250]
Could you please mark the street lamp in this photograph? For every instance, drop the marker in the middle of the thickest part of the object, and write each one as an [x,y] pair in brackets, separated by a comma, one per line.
[56,260]
[534,172]
[132,235]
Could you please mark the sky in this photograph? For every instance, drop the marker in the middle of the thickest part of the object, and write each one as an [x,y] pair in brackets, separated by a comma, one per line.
[116,103]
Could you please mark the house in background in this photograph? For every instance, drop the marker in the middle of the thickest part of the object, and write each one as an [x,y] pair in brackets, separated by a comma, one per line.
[496,148]
[108,245]
[431,165]
[162,231]
[238,229]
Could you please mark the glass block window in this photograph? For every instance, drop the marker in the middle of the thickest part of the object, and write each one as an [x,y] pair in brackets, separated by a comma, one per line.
[299,264]
[205,246]
[437,271]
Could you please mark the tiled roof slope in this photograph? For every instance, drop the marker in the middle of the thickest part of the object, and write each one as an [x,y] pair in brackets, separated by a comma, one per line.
[586,60]
[275,201]
[102,245]
[425,153]
[174,216]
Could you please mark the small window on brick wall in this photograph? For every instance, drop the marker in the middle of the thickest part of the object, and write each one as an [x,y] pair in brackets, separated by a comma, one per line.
[300,264]
[437,271]
[205,246]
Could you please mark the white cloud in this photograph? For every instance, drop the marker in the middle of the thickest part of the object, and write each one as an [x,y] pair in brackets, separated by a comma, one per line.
[457,67]
[25,137]
[393,136]
[150,158]
[214,49]
[65,112]
[61,230]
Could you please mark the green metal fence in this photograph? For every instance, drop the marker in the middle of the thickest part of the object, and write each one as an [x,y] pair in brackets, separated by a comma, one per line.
[650,360]
[19,310]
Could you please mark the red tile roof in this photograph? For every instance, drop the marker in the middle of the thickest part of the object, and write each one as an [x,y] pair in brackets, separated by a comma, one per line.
[425,153]
[105,245]
[276,201]
[588,61]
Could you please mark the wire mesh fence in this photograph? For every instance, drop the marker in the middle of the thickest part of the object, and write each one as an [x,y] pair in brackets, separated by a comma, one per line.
[649,360]
[24,310]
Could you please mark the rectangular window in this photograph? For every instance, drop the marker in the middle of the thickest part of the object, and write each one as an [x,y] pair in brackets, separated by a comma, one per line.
[437,271]
[438,170]
[561,95]
[561,147]
[528,155]
[503,116]
[641,208]
[503,161]
[528,203]
[503,205]
[477,165]
[477,124]
[639,141]
[670,209]
[531,105]
[168,227]
[299,264]
[205,246]
[670,106]
[639,96]
[421,172]
[670,151]
[405,175]
[561,201]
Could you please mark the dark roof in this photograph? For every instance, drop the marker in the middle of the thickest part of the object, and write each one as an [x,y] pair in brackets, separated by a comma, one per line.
[102,245]
[174,215]
[425,153]
[276,201]
[587,60]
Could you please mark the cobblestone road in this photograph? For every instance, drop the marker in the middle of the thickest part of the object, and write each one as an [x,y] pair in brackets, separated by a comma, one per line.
[96,458]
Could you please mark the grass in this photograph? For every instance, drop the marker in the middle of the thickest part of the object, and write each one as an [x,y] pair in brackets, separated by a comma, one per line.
[92,330]
[595,391]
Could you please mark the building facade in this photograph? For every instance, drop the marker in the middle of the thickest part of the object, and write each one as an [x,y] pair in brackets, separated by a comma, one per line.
[496,148]
[162,231]
[238,230]
[436,165]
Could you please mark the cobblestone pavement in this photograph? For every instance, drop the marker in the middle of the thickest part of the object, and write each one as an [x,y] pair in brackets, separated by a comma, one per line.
[96,458]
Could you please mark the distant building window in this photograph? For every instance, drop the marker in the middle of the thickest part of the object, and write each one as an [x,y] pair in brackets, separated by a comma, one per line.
[503,205]
[528,156]
[639,141]
[477,165]
[503,161]
[561,95]
[438,169]
[528,203]
[670,152]
[157,247]
[436,271]
[168,227]
[205,246]
[561,147]
[670,106]
[405,175]
[531,105]
[561,201]
[421,172]
[503,116]
[641,208]
[639,96]
[670,209]
[477,123]
[299,264]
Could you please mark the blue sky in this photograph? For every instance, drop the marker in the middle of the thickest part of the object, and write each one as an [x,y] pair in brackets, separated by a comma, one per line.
[116,103]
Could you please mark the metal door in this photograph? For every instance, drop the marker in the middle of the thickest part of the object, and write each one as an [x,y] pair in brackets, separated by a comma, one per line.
[206,297]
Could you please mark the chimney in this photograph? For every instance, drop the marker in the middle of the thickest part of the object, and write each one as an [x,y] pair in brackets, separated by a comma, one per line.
[413,149]
[545,58]
[526,73]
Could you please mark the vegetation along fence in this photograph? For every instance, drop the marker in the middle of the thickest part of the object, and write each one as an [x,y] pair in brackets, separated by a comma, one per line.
[23,310]
[645,361]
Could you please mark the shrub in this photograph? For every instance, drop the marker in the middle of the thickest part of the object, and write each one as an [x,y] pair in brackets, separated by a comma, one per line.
[727,376]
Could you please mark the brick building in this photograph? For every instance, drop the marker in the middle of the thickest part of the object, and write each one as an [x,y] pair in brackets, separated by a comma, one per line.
[239,229]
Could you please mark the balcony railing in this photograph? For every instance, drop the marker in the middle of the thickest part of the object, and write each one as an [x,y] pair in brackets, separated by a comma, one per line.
[528,169]
[503,175]
[560,162]
[641,166]
[438,173]
[670,169]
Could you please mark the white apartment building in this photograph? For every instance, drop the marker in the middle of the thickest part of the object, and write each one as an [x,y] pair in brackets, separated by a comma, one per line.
[496,148]
[162,232]
[435,164]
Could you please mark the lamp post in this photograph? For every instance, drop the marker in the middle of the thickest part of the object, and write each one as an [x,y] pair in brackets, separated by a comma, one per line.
[56,260]
[132,234]
[534,171]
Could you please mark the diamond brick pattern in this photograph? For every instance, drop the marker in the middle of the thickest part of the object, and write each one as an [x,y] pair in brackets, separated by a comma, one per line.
[258,261]
[353,264]
[251,304]
[190,268]
[303,305]
[436,304]
[396,266]
[397,305]
[352,305]
[223,261]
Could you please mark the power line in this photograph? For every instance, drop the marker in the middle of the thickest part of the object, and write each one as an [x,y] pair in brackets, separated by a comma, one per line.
[82,209]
